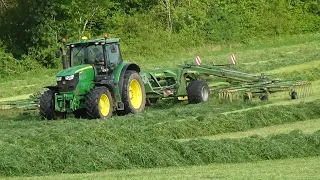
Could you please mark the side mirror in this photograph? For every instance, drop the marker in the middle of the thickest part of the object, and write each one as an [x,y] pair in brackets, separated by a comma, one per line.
[113,48]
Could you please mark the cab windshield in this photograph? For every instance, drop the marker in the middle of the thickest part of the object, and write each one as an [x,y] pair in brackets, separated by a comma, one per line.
[86,54]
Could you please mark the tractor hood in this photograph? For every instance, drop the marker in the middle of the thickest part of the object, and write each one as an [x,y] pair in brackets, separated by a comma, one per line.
[73,70]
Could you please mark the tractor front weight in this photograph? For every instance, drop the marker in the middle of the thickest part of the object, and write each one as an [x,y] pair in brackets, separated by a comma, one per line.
[68,102]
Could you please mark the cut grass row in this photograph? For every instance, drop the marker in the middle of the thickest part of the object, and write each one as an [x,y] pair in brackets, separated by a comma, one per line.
[308,126]
[76,158]
[175,123]
[288,169]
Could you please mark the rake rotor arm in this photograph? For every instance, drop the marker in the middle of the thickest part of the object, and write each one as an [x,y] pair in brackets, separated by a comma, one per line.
[224,73]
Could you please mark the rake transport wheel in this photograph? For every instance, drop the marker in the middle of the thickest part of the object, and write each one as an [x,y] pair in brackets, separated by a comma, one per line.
[294,95]
[133,94]
[47,105]
[247,97]
[151,101]
[198,91]
[264,97]
[99,103]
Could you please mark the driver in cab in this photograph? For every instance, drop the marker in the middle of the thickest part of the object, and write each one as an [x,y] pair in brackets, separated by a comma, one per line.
[98,56]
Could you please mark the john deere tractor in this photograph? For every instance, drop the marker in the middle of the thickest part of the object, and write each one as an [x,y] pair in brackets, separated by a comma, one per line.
[95,82]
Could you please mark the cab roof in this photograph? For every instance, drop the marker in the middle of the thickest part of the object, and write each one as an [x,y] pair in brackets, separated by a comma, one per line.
[94,41]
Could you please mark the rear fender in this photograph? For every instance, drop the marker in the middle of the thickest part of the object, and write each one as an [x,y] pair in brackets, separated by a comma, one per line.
[110,86]
[118,81]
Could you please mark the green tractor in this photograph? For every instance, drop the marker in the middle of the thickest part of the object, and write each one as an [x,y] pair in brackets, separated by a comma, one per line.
[95,82]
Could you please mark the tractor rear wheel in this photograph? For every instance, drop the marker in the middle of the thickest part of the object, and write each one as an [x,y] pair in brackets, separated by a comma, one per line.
[134,94]
[198,91]
[99,103]
[47,105]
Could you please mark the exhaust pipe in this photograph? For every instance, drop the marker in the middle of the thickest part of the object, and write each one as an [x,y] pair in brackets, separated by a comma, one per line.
[64,58]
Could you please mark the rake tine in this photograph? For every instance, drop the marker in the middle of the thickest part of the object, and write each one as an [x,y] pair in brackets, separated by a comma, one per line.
[311,88]
[301,91]
[305,91]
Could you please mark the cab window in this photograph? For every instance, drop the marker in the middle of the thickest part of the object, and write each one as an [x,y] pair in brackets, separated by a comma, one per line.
[113,53]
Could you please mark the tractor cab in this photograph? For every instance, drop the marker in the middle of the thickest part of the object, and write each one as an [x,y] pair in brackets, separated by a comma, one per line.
[103,54]
[94,82]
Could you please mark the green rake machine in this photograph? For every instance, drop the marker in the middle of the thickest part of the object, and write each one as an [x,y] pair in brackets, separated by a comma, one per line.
[96,83]
[30,104]
[186,82]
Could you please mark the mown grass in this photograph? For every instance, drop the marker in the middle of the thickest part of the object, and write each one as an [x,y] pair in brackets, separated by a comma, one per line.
[26,83]
[308,126]
[288,169]
[89,157]
[30,146]
[281,50]
[34,147]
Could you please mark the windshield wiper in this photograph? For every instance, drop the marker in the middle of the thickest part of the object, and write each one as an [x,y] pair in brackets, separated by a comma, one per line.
[85,45]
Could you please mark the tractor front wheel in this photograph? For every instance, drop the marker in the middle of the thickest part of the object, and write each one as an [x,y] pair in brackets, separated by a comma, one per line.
[198,91]
[134,94]
[47,105]
[99,103]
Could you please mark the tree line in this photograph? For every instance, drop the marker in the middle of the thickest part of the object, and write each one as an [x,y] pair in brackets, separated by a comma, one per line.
[32,29]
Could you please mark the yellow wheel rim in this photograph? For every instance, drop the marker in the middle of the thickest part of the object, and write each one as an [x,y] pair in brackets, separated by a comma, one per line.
[135,94]
[104,105]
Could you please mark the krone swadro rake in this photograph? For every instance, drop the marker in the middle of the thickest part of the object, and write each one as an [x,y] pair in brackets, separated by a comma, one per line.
[32,103]
[185,81]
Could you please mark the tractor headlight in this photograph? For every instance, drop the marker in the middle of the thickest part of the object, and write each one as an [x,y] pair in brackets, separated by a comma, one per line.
[69,78]
[59,78]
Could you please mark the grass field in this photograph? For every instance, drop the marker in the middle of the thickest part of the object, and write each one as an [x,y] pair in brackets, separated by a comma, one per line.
[213,140]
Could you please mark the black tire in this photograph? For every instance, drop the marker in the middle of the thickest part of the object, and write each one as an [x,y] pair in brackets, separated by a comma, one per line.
[94,109]
[247,97]
[264,97]
[129,105]
[47,105]
[198,91]
[294,95]
[151,101]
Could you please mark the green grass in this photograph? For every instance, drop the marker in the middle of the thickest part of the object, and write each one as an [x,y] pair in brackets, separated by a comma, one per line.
[290,169]
[26,83]
[30,146]
[279,52]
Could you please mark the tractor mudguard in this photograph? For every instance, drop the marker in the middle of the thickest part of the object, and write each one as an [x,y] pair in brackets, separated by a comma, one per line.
[108,84]
[118,80]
